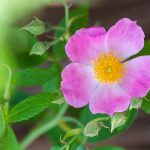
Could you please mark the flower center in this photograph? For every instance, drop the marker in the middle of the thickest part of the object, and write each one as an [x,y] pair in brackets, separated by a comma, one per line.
[108,68]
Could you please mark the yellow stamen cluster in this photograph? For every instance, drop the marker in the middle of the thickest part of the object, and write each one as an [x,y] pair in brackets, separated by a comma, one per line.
[108,68]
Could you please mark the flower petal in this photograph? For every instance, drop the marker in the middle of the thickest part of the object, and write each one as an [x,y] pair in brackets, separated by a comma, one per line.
[85,44]
[78,84]
[109,99]
[137,79]
[125,37]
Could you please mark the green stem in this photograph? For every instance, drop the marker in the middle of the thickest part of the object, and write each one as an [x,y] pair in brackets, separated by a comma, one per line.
[58,28]
[67,33]
[72,140]
[2,121]
[66,14]
[37,132]
[7,86]
[71,119]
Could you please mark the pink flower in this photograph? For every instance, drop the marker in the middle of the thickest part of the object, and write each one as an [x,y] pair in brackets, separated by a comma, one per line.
[99,74]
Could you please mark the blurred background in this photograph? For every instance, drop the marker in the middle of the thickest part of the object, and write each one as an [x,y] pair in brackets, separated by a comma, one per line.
[104,13]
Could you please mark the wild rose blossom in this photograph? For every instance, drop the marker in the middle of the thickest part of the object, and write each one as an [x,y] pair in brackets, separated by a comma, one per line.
[100,74]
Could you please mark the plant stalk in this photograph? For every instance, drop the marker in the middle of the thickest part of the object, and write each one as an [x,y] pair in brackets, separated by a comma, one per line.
[40,130]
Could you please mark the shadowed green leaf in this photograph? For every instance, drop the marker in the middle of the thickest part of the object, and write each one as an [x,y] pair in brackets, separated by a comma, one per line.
[31,77]
[54,81]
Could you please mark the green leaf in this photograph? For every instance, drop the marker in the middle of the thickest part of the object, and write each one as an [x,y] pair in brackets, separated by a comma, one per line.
[51,85]
[136,104]
[117,120]
[145,50]
[72,132]
[146,105]
[2,122]
[109,148]
[9,141]
[35,27]
[32,76]
[30,107]
[59,101]
[39,48]
[104,132]
[93,127]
